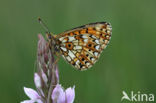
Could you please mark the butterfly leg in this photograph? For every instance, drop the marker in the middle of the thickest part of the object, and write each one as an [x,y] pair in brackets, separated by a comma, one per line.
[57,59]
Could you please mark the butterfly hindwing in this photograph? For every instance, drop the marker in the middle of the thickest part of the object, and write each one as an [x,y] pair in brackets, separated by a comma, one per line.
[83,45]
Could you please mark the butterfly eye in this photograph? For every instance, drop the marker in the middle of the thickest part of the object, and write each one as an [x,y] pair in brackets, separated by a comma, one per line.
[49,36]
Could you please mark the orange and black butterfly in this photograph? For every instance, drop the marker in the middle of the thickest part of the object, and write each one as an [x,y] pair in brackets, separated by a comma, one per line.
[82,46]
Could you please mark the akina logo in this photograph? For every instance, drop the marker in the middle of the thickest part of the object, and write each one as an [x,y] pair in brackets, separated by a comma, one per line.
[137,97]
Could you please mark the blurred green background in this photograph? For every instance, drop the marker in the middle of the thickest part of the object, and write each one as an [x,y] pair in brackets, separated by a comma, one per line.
[128,63]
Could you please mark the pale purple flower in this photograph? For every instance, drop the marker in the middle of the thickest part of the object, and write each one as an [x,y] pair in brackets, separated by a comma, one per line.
[46,79]
[33,95]
[60,95]
[37,80]
[70,94]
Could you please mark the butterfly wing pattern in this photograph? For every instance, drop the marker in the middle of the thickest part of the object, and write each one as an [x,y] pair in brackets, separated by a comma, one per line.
[83,45]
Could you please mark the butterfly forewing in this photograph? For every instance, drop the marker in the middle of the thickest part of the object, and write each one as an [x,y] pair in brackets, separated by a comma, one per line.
[83,45]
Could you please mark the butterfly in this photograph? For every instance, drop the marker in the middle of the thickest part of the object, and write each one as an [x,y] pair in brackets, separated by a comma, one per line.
[82,46]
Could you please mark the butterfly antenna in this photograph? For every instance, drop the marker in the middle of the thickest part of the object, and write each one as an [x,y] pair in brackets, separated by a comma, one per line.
[43,25]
